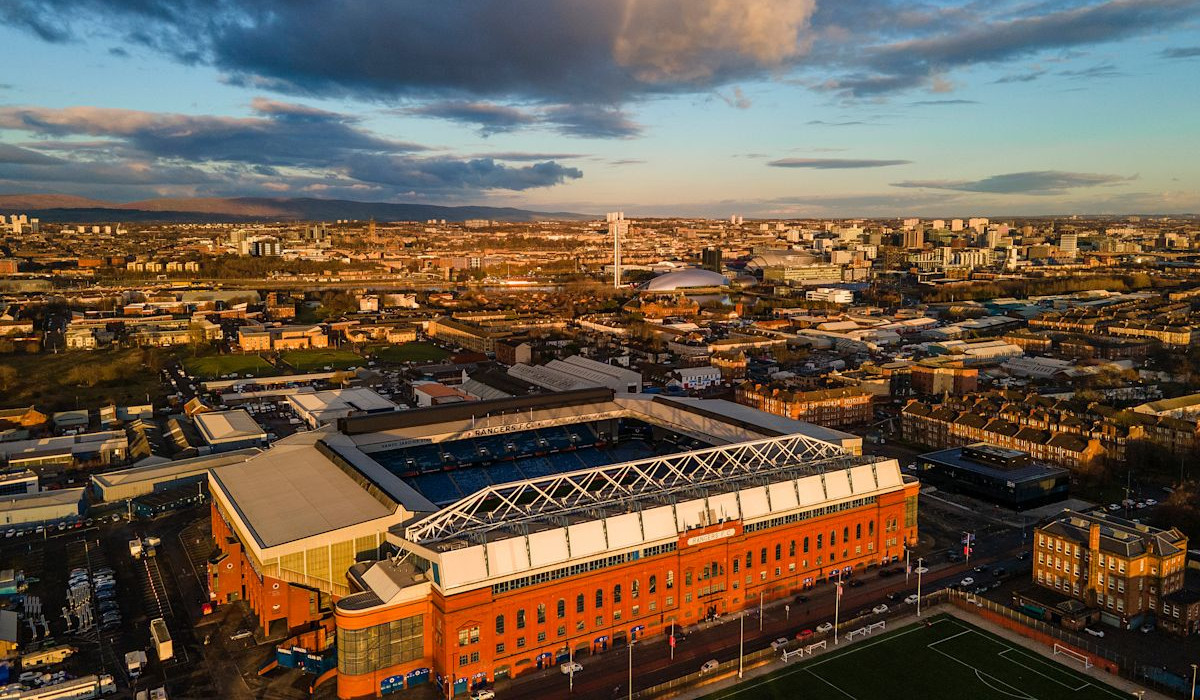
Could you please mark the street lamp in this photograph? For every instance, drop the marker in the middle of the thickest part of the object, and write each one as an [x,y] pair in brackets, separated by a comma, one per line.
[741,643]
[837,607]
[1193,682]
[920,570]
[631,643]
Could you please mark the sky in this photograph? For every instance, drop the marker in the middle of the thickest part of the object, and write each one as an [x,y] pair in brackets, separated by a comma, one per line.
[763,108]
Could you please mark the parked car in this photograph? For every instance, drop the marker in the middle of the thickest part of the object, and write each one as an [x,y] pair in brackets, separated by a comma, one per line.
[968,581]
[804,634]
[825,627]
[779,643]
[1147,627]
[1094,633]
[880,609]
[1114,507]
[912,599]
[709,666]
[981,568]
[483,694]
[571,667]
[1151,502]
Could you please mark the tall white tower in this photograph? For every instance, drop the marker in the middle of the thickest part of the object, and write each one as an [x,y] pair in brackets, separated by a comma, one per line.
[617,227]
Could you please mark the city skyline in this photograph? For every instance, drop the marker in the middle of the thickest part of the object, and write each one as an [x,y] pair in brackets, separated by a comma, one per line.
[769,108]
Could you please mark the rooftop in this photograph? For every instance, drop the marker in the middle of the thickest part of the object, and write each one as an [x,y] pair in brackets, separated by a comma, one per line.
[227,426]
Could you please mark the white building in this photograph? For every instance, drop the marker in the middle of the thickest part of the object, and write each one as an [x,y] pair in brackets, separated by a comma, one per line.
[831,295]
[696,378]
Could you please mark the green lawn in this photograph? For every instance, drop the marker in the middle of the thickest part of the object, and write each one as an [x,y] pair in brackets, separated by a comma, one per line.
[214,366]
[411,352]
[317,360]
[948,660]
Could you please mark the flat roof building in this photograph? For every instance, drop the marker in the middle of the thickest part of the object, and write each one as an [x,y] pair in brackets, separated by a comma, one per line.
[223,431]
[326,407]
[996,474]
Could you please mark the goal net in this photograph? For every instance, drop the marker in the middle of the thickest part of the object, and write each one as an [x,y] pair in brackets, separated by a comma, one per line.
[1064,651]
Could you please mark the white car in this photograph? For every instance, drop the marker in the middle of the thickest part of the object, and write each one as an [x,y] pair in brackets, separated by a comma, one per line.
[1094,633]
[571,667]
[709,666]
[912,599]
[968,581]
[779,643]
[825,627]
[1114,507]
[1151,502]
[483,694]
[880,609]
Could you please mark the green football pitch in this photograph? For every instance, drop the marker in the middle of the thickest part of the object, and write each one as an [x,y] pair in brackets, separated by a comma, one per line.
[948,660]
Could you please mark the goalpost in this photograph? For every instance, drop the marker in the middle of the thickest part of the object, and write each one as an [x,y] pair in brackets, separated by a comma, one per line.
[1060,649]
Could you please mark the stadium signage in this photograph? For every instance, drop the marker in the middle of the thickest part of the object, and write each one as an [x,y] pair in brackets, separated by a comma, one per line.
[711,536]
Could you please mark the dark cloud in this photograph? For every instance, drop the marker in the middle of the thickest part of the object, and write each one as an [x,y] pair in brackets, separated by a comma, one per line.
[627,161]
[919,61]
[489,117]
[589,121]
[523,156]
[1026,77]
[942,103]
[601,51]
[284,147]
[1041,182]
[1182,52]
[834,163]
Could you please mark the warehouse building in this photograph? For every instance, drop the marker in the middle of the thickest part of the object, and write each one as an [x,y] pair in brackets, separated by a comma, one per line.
[41,507]
[310,528]
[125,484]
[325,407]
[224,431]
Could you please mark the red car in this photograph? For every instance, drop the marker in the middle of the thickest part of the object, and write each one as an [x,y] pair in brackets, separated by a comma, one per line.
[804,634]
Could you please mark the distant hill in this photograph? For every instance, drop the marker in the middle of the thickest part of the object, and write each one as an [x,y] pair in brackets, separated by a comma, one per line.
[60,208]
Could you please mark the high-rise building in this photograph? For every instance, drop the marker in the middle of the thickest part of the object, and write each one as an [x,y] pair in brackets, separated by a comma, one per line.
[1068,243]
[939,224]
[956,224]
[617,227]
[711,259]
[914,238]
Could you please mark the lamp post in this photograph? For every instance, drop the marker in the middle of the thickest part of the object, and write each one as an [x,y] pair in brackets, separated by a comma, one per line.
[760,611]
[741,643]
[631,643]
[570,669]
[1193,682]
[837,607]
[920,570]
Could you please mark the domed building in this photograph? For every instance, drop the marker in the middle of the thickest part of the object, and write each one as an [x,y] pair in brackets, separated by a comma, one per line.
[692,278]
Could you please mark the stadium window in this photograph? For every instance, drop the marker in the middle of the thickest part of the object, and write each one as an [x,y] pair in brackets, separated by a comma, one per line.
[845,534]
[599,620]
[636,610]
[858,531]
[736,565]
[562,630]
[579,603]
[541,636]
[562,608]
[749,559]
[500,648]
[541,613]
[670,579]
[599,598]
[870,528]
[687,578]
[464,637]
[778,552]
[579,626]
[474,657]
[616,594]
[653,584]
[832,538]
[521,619]
[520,642]
[762,556]
[792,548]
[806,545]
[475,634]
[462,660]
[635,588]
[499,624]
[819,541]
[653,605]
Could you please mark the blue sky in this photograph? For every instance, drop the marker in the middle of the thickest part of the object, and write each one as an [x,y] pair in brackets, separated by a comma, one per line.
[657,107]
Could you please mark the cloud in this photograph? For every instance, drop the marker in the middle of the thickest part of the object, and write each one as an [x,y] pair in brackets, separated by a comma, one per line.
[1041,182]
[489,117]
[834,163]
[1103,70]
[1026,77]
[627,161]
[283,147]
[919,61]
[588,121]
[736,99]
[942,103]
[1182,52]
[556,51]
[523,156]
[821,122]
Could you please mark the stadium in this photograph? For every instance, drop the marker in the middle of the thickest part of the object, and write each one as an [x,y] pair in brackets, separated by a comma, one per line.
[463,543]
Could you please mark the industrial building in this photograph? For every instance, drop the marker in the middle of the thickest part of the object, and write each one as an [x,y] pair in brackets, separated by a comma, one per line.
[41,507]
[995,474]
[326,407]
[125,484]
[224,431]
[487,523]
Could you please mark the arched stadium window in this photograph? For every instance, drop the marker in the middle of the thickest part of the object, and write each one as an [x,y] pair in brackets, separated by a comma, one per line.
[870,528]
[562,608]
[635,588]
[819,541]
[858,531]
[541,613]
[845,534]
[499,624]
[616,594]
[762,556]
[778,551]
[806,545]
[579,603]
[521,619]
[653,584]
[832,538]
[599,598]
[670,579]
[792,548]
